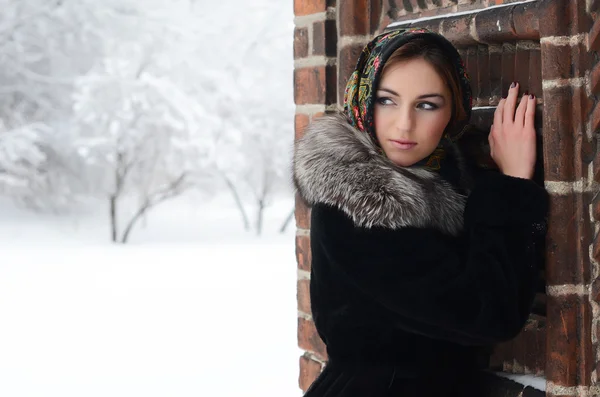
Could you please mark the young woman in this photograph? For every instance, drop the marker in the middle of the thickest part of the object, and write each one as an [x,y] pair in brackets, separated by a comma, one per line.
[420,260]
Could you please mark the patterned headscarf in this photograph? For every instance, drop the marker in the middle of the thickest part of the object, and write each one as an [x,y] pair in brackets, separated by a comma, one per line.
[359,98]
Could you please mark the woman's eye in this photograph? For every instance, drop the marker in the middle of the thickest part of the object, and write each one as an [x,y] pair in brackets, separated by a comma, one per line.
[384,101]
[427,106]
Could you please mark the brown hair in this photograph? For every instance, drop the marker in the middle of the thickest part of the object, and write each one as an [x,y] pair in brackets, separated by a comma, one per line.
[432,53]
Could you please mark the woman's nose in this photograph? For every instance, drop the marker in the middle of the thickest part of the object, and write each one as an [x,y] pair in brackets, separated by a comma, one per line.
[405,120]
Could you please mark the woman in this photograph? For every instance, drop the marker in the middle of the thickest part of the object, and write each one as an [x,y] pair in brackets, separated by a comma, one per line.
[420,260]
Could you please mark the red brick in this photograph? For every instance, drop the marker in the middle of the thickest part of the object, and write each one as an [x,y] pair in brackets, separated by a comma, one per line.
[564,61]
[582,22]
[571,361]
[436,12]
[300,123]
[526,21]
[595,37]
[596,208]
[302,214]
[448,3]
[457,30]
[535,73]
[469,6]
[303,296]
[307,7]
[472,69]
[597,160]
[508,67]
[596,249]
[558,134]
[495,75]
[509,360]
[483,75]
[407,17]
[409,6]
[487,23]
[595,287]
[531,353]
[309,339]
[388,15]
[518,352]
[596,79]
[522,71]
[540,351]
[435,25]
[595,119]
[303,253]
[309,371]
[376,16]
[314,85]
[300,43]
[359,17]
[325,38]
[567,260]
[555,17]
[585,148]
[563,18]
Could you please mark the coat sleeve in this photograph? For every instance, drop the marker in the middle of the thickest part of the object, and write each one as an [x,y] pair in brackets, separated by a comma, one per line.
[477,289]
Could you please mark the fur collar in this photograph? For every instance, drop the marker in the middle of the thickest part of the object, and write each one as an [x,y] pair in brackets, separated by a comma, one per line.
[336,164]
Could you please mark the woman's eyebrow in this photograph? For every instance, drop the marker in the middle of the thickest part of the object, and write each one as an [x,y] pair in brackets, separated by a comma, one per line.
[419,97]
[388,90]
[430,95]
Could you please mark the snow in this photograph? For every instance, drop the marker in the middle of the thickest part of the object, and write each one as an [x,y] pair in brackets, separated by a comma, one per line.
[455,14]
[536,382]
[194,306]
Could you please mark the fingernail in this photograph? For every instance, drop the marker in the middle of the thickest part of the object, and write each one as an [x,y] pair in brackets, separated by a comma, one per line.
[513,85]
[531,96]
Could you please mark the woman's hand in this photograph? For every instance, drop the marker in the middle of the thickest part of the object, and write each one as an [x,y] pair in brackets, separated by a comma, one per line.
[512,136]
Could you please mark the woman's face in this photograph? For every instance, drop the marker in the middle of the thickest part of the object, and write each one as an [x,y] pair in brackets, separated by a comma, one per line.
[412,108]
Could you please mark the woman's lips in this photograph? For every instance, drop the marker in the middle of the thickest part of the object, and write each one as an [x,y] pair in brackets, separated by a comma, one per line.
[403,145]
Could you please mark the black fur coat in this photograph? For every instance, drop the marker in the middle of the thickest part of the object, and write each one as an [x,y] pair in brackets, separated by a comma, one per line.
[414,276]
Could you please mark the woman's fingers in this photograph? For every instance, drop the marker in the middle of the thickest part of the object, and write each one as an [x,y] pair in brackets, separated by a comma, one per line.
[512,135]
[499,113]
[530,112]
[520,115]
[511,103]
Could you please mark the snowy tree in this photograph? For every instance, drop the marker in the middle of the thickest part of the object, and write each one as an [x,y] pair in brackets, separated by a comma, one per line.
[21,157]
[133,100]
[140,137]
[256,111]
[36,53]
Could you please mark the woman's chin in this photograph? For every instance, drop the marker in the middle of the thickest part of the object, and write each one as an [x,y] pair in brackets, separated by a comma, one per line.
[402,158]
[403,162]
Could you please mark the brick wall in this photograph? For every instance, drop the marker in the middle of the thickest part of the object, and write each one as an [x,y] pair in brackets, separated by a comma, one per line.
[551,47]
[315,90]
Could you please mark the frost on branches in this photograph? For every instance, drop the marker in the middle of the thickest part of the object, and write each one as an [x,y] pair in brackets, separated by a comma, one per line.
[137,101]
[21,159]
[140,137]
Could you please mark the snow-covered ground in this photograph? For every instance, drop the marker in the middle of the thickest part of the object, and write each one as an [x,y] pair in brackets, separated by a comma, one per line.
[194,306]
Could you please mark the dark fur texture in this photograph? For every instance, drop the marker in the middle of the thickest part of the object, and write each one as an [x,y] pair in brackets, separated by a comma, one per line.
[336,164]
